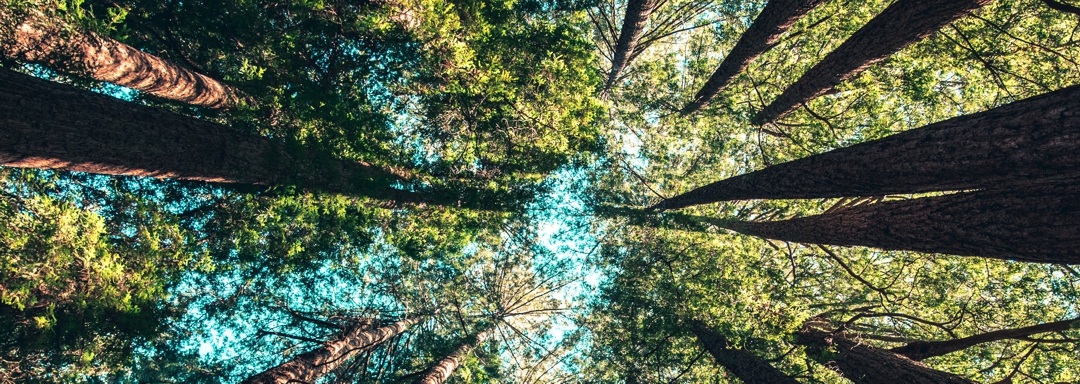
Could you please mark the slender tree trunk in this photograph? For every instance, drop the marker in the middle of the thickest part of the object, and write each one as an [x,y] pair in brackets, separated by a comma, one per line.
[46,125]
[863,364]
[1037,224]
[745,365]
[920,350]
[104,59]
[901,24]
[442,370]
[1032,139]
[637,14]
[774,20]
[309,366]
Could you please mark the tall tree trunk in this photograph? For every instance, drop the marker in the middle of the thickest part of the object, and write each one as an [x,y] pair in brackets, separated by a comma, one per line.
[774,20]
[46,125]
[637,14]
[745,365]
[901,24]
[309,366]
[920,350]
[1032,139]
[105,59]
[863,364]
[442,370]
[1037,224]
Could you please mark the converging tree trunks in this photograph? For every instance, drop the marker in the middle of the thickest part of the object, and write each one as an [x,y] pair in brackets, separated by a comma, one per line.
[901,24]
[1036,224]
[1015,144]
[748,367]
[864,364]
[777,17]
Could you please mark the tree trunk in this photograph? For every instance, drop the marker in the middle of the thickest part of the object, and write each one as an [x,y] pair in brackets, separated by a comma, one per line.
[309,366]
[745,365]
[901,24]
[1037,224]
[442,370]
[920,350]
[637,14]
[53,126]
[104,59]
[774,20]
[863,364]
[1033,139]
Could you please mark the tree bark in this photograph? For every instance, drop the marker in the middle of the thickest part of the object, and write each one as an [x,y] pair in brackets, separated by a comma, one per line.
[309,366]
[745,365]
[863,364]
[105,59]
[637,14]
[1015,144]
[901,24]
[442,370]
[1037,224]
[920,350]
[46,125]
[774,20]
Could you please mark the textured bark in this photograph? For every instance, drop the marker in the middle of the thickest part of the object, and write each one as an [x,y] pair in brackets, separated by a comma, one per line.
[108,60]
[1032,139]
[637,14]
[442,370]
[920,350]
[309,366]
[745,365]
[863,364]
[47,125]
[1036,224]
[901,24]
[774,20]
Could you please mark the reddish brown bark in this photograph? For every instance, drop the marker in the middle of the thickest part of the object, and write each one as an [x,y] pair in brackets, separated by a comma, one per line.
[309,366]
[742,363]
[863,364]
[901,24]
[442,370]
[920,350]
[774,20]
[108,60]
[46,125]
[1036,224]
[637,14]
[1032,139]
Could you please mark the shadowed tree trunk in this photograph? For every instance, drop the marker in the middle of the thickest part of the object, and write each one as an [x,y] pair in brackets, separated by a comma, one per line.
[920,350]
[1037,224]
[863,364]
[1033,139]
[774,20]
[111,61]
[442,370]
[46,125]
[637,14]
[745,365]
[901,24]
[309,366]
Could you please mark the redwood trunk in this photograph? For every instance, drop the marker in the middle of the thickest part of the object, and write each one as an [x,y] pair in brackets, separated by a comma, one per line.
[637,14]
[53,126]
[745,365]
[901,24]
[1032,139]
[920,350]
[1036,224]
[863,364]
[111,61]
[774,20]
[442,370]
[309,366]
